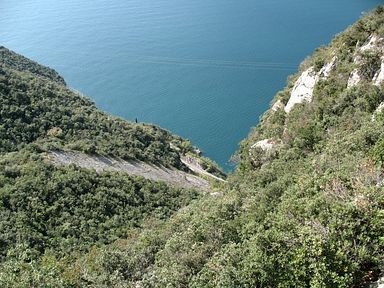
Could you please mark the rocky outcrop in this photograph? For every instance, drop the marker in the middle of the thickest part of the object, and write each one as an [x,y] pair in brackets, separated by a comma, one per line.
[263,151]
[278,105]
[378,284]
[265,145]
[379,76]
[216,194]
[327,68]
[354,78]
[379,109]
[303,89]
[375,44]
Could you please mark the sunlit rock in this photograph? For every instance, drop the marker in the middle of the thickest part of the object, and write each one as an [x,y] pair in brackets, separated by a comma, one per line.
[277,106]
[303,89]
[379,76]
[265,145]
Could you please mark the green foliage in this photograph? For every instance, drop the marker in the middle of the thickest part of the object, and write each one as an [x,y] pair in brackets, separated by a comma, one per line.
[377,152]
[50,216]
[22,64]
[211,167]
[70,209]
[307,213]
[37,109]
[370,64]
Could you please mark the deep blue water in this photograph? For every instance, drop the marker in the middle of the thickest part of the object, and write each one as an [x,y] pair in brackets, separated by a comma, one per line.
[204,69]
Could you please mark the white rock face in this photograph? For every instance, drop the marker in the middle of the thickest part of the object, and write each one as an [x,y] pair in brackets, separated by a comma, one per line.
[374,44]
[379,76]
[324,72]
[265,145]
[277,106]
[303,89]
[378,284]
[379,109]
[354,78]
[216,194]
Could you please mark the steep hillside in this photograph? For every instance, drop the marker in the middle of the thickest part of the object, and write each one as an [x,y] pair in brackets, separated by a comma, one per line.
[73,177]
[38,107]
[18,62]
[305,207]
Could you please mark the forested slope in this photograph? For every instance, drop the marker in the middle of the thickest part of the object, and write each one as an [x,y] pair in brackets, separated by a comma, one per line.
[305,208]
[37,106]
[63,211]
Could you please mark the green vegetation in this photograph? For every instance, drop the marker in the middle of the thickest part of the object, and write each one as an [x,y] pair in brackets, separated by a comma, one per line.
[44,111]
[211,167]
[69,209]
[307,213]
[19,63]
[50,212]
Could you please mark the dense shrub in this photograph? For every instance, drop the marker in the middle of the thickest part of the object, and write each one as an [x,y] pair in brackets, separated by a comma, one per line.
[308,214]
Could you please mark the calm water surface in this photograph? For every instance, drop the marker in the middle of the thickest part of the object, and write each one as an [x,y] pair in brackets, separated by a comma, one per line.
[204,69]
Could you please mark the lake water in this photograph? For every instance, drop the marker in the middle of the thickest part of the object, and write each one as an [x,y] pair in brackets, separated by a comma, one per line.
[204,69]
